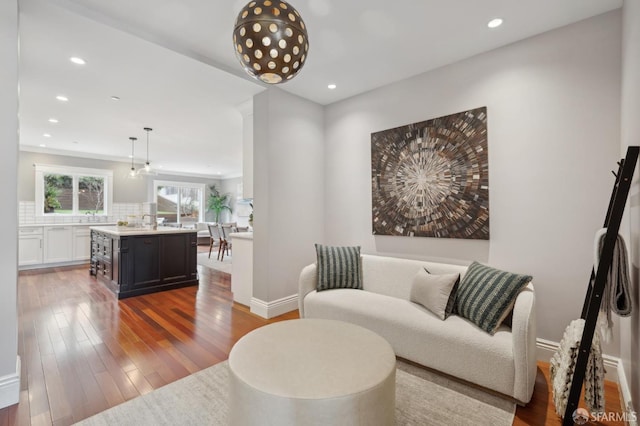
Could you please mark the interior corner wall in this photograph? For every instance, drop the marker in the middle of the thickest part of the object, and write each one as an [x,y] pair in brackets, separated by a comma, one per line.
[630,135]
[553,104]
[288,184]
[9,379]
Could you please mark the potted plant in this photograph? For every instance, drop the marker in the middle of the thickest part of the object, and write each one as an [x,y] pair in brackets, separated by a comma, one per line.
[218,202]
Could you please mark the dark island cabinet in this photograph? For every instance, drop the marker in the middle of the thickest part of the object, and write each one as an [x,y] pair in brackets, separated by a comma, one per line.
[131,265]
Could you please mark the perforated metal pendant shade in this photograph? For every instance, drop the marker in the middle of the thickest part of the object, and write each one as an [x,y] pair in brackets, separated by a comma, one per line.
[270,40]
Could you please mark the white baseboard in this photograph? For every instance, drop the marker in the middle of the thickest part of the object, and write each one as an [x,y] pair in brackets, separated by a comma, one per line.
[53,265]
[10,387]
[275,307]
[546,348]
[625,393]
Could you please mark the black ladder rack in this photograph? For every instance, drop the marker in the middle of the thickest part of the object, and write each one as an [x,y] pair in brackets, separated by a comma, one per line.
[598,279]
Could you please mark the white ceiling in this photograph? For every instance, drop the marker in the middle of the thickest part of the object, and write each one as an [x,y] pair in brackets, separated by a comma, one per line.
[173,65]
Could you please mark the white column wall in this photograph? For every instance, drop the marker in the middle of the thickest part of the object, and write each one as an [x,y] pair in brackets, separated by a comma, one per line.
[553,106]
[288,190]
[246,109]
[630,135]
[9,377]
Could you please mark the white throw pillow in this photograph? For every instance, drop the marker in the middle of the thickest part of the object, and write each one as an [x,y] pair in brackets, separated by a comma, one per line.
[433,291]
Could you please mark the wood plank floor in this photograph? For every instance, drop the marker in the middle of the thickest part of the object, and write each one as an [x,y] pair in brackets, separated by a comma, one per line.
[541,411]
[83,351]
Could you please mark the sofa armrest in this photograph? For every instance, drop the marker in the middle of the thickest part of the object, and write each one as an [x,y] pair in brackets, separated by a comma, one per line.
[523,329]
[306,284]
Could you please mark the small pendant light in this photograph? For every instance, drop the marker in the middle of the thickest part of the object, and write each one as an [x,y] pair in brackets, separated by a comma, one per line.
[132,173]
[146,170]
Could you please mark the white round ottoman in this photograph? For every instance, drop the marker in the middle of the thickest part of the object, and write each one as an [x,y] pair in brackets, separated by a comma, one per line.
[312,372]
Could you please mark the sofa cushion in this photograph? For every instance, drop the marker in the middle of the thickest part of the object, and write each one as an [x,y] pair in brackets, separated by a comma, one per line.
[434,291]
[486,295]
[419,336]
[393,276]
[338,267]
[451,303]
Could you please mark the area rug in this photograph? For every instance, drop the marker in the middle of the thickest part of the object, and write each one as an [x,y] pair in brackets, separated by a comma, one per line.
[422,398]
[213,263]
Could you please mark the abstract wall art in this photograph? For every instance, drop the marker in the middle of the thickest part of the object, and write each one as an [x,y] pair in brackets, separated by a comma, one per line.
[431,179]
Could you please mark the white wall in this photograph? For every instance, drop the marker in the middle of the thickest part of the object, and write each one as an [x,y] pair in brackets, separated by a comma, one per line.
[124,190]
[230,187]
[630,135]
[246,109]
[553,126]
[9,377]
[287,190]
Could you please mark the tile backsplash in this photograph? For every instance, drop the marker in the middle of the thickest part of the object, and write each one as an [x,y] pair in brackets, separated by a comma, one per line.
[120,211]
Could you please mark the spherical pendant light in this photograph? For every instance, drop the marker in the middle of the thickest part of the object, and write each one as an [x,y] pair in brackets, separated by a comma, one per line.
[270,40]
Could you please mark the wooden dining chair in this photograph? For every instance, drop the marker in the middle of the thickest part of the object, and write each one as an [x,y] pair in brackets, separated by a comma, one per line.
[227,228]
[214,235]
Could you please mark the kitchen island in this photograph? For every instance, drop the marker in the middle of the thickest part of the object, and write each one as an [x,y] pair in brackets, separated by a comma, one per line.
[135,261]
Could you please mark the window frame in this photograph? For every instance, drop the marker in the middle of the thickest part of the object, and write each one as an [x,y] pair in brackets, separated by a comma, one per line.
[76,173]
[201,186]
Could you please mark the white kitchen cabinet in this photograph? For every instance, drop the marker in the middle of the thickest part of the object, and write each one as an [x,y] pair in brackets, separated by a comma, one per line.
[30,245]
[58,244]
[81,243]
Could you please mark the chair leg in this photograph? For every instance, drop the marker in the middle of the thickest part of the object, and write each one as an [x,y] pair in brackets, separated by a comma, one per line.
[219,249]
[224,247]
[210,247]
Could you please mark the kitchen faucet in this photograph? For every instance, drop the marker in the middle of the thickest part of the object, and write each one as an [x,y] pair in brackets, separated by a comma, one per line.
[154,220]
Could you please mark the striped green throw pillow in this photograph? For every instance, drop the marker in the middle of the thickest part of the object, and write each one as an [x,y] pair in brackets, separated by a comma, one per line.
[486,295]
[338,267]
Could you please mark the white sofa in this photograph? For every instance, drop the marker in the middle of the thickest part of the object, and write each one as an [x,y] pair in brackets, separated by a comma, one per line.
[203,232]
[504,362]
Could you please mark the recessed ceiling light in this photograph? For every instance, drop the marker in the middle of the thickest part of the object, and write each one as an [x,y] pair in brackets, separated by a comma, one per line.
[219,173]
[331,86]
[62,98]
[53,120]
[131,156]
[46,135]
[77,61]
[494,23]
[115,98]
[43,145]
[160,167]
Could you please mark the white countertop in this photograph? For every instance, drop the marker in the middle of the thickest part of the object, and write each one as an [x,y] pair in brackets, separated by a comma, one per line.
[242,235]
[31,225]
[125,230]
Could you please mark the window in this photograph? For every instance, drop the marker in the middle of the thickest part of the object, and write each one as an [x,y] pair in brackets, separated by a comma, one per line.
[63,190]
[179,202]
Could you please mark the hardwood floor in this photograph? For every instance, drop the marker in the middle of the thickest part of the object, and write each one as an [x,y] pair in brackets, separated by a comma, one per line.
[83,351]
[541,411]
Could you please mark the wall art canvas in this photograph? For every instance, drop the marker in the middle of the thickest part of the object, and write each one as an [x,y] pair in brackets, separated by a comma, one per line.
[431,179]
